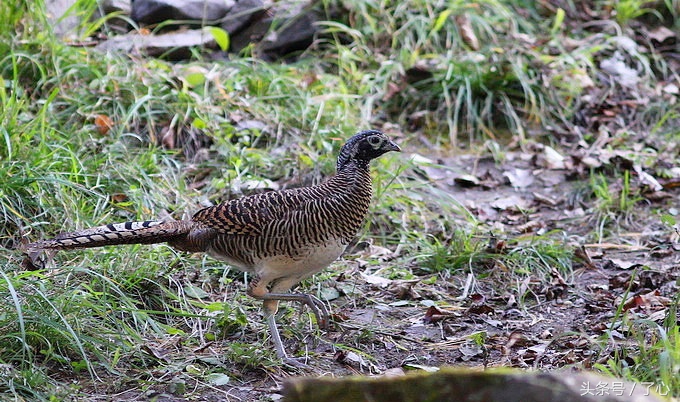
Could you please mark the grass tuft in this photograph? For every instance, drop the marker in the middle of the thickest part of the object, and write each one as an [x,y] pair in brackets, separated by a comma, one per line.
[88,139]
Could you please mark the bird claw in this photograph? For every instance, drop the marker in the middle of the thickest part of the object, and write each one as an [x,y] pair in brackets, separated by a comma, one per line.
[319,309]
[296,362]
[317,306]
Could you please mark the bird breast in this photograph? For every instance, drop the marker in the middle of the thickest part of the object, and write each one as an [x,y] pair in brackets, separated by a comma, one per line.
[306,261]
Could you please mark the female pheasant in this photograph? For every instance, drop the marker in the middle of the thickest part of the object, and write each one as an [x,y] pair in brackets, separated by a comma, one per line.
[281,237]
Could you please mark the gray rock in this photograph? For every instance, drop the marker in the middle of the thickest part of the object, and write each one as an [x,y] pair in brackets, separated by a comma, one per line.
[114,6]
[122,7]
[295,33]
[279,28]
[172,46]
[243,12]
[202,11]
[64,25]
[252,32]
[287,27]
[450,384]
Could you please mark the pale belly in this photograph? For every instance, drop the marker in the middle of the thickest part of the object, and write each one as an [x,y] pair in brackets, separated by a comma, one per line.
[306,263]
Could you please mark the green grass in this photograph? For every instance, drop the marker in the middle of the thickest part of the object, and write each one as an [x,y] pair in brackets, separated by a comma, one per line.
[613,203]
[97,312]
[654,359]
[463,92]
[507,264]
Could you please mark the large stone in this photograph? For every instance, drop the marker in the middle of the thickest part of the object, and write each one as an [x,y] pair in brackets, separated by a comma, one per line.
[172,46]
[463,385]
[122,8]
[243,12]
[288,26]
[61,17]
[295,34]
[114,6]
[277,28]
[204,12]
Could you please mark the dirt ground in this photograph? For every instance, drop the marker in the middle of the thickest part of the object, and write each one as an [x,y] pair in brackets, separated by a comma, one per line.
[481,317]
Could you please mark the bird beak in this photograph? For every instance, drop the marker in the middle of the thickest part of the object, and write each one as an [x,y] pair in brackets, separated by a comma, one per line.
[393,147]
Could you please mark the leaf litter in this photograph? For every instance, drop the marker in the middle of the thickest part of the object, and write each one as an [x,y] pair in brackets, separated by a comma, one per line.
[488,315]
[542,321]
[545,321]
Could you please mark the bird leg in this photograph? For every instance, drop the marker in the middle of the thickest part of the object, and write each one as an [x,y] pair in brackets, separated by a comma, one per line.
[258,289]
[278,344]
[317,306]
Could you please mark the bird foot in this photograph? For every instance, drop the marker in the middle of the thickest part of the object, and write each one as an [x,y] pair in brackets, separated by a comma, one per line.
[317,306]
[296,362]
[319,309]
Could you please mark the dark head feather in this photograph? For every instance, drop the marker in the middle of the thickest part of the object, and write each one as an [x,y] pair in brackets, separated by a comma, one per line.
[364,146]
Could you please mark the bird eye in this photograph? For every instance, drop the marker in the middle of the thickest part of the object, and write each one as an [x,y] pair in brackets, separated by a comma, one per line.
[375,141]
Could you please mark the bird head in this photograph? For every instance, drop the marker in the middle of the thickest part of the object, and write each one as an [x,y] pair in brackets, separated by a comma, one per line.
[364,146]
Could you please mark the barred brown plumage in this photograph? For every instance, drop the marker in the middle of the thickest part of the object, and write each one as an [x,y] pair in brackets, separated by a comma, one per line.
[281,236]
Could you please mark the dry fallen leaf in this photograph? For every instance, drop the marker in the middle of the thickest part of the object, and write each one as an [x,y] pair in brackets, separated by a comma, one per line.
[624,280]
[168,137]
[657,196]
[661,253]
[480,309]
[625,75]
[649,301]
[647,179]
[661,33]
[471,349]
[557,278]
[429,369]
[403,290]
[479,305]
[393,372]
[392,90]
[467,180]
[159,352]
[520,178]
[365,249]
[466,32]
[514,202]
[553,159]
[103,123]
[309,79]
[376,280]
[581,254]
[117,198]
[433,315]
[516,338]
[621,264]
[671,89]
[530,227]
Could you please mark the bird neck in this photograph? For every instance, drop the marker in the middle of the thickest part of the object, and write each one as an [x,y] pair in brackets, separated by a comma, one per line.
[355,171]
[351,192]
[353,183]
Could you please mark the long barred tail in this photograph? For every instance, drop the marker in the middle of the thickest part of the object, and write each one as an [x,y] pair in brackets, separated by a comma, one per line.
[146,232]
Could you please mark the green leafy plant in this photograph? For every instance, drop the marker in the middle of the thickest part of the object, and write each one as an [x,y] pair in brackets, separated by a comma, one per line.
[655,360]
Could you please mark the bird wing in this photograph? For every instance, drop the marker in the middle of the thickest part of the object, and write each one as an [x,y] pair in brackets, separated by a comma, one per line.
[249,215]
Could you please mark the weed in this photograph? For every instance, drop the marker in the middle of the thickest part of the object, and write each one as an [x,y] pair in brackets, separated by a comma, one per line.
[458,252]
[187,135]
[232,319]
[248,355]
[627,10]
[423,63]
[655,360]
[612,203]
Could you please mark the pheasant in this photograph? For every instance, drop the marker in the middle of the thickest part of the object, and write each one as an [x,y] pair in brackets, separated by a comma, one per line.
[281,237]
